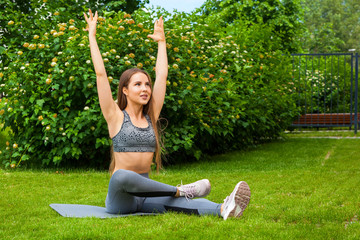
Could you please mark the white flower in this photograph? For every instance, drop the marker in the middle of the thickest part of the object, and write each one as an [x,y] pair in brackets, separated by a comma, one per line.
[53,64]
[147,40]
[81,45]
[61,71]
[59,53]
[67,64]
[22,68]
[130,45]
[64,134]
[86,108]
[88,61]
[6,68]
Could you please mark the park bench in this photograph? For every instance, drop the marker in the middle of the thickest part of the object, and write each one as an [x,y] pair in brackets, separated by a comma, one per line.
[326,119]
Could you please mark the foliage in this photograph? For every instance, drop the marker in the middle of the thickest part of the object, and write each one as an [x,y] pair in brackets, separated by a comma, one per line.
[28,6]
[322,84]
[332,25]
[35,14]
[227,87]
[282,16]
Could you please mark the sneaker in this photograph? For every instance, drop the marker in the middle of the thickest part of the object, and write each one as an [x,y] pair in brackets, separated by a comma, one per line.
[199,188]
[235,204]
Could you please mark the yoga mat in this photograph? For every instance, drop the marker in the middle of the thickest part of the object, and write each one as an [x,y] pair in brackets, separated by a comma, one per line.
[81,211]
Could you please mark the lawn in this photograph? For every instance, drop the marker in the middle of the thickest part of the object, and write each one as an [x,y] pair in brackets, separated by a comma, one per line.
[302,188]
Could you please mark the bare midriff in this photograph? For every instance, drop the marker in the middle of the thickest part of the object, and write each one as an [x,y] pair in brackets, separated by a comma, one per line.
[139,162]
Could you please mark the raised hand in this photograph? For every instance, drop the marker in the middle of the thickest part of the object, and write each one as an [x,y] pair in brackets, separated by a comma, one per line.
[158,34]
[91,21]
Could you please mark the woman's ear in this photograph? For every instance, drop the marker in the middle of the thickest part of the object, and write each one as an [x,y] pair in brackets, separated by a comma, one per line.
[125,91]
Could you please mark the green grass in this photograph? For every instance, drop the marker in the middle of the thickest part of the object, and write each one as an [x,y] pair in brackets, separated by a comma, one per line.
[344,132]
[301,189]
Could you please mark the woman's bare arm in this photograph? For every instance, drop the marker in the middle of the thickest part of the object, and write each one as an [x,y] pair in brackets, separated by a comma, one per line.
[161,67]
[107,104]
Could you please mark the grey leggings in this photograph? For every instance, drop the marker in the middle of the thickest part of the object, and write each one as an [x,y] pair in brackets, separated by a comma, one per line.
[130,192]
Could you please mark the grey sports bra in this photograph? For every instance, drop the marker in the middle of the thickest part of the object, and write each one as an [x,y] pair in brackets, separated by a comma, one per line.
[134,139]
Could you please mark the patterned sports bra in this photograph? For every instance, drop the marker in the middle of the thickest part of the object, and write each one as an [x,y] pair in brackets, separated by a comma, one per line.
[134,139]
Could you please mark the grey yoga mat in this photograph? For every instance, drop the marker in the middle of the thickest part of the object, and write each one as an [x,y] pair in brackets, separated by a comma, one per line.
[81,211]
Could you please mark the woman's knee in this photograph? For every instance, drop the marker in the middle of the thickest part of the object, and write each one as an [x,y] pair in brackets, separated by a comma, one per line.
[121,176]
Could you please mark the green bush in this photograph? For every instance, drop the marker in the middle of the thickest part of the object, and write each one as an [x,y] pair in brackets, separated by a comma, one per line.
[225,91]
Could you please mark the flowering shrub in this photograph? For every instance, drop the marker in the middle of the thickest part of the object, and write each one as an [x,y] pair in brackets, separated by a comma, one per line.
[225,91]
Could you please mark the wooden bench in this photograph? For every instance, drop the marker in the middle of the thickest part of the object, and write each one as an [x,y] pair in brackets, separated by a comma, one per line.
[326,120]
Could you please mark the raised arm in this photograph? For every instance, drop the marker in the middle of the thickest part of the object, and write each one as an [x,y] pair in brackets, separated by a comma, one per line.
[107,104]
[161,71]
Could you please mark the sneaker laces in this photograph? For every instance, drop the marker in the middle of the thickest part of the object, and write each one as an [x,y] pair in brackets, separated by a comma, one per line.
[189,190]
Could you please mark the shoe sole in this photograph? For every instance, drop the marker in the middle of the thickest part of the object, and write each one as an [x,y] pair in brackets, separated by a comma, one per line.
[242,199]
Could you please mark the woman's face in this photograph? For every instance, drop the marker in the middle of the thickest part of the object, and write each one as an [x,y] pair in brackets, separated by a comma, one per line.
[138,90]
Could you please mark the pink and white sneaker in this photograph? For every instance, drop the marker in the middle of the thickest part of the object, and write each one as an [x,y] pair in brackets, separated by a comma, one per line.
[235,204]
[199,188]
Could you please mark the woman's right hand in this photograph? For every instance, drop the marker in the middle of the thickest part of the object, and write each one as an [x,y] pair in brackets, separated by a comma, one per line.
[91,21]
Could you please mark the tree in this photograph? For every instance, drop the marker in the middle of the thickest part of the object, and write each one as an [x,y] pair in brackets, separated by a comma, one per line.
[282,16]
[332,25]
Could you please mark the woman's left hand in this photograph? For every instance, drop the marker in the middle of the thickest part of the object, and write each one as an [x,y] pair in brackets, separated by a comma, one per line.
[158,34]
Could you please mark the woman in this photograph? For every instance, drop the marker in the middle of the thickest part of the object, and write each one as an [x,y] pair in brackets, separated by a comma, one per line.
[132,126]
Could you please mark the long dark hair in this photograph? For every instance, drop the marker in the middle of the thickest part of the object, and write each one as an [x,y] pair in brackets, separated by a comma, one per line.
[148,109]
